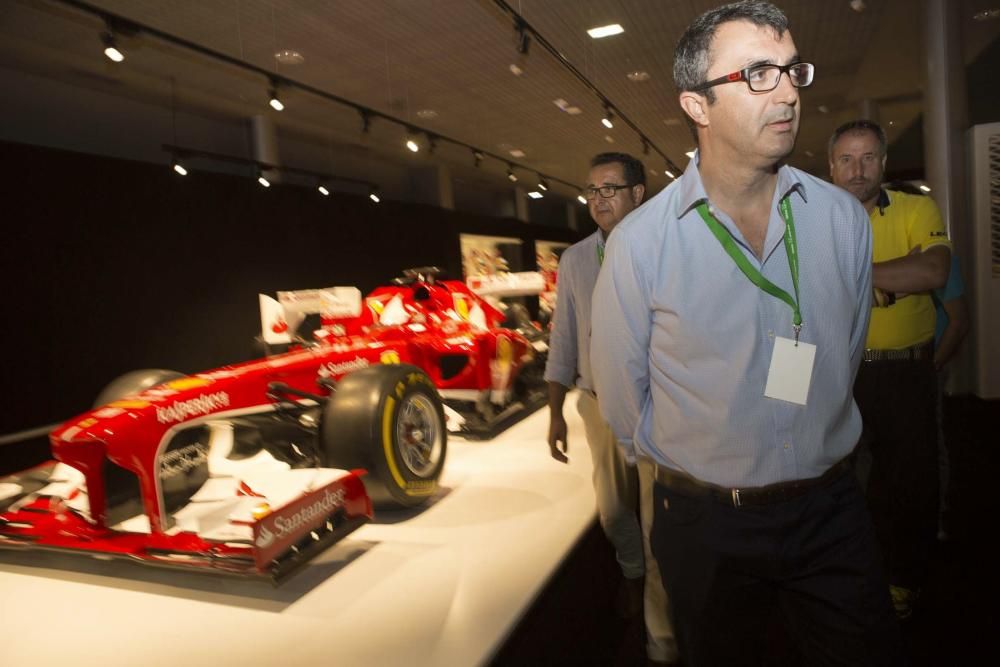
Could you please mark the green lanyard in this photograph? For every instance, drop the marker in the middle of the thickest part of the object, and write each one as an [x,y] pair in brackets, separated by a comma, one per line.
[751,272]
[600,254]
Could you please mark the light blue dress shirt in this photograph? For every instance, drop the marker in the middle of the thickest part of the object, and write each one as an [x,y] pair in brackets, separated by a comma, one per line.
[569,344]
[685,339]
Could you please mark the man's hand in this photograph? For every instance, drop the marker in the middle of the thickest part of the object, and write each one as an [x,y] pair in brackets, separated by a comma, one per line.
[557,423]
[557,434]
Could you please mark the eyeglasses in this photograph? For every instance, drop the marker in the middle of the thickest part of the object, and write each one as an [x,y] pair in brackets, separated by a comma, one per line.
[606,191]
[765,78]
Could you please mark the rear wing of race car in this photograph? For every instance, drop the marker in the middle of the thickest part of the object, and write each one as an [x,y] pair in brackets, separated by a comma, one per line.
[523,283]
[279,318]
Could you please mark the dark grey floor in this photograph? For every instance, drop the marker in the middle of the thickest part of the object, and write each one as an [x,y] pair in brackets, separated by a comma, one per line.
[956,623]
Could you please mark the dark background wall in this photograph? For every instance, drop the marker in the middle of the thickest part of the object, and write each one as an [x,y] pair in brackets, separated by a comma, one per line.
[110,265]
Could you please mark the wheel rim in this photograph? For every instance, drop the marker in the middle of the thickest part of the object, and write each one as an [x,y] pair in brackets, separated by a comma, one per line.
[419,435]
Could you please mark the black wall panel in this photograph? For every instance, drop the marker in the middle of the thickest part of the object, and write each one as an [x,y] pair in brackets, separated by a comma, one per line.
[110,266]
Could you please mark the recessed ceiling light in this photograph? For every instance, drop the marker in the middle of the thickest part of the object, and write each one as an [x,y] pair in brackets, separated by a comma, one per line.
[608,138]
[858,5]
[427,113]
[289,57]
[987,15]
[810,154]
[925,188]
[535,195]
[515,70]
[669,173]
[517,152]
[567,107]
[690,154]
[671,122]
[581,199]
[892,122]
[823,108]
[638,76]
[606,31]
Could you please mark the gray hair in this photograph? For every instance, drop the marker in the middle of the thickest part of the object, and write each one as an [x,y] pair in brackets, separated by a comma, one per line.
[691,55]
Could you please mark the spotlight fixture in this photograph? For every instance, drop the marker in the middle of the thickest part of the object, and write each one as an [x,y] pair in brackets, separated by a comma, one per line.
[273,94]
[411,141]
[373,195]
[176,165]
[522,38]
[581,199]
[542,185]
[111,49]
[477,157]
[609,115]
[511,176]
[261,178]
[322,190]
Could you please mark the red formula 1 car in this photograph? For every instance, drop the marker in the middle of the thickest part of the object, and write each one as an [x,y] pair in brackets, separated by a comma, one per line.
[253,468]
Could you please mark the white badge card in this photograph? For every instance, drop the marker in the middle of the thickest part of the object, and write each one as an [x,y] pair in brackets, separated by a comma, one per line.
[791,370]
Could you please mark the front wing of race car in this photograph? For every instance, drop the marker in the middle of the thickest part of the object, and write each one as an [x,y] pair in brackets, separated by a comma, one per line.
[264,524]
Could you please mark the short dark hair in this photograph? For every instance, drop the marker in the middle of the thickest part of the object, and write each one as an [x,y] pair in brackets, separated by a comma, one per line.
[691,55]
[859,125]
[632,168]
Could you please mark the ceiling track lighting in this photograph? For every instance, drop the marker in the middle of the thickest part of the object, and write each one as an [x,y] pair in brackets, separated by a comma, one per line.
[412,144]
[608,120]
[523,26]
[119,26]
[261,178]
[273,95]
[511,176]
[111,49]
[177,167]
[521,37]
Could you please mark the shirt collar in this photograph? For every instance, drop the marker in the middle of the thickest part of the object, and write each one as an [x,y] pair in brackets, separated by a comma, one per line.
[883,201]
[692,190]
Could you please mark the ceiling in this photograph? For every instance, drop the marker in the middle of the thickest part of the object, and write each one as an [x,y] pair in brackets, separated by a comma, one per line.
[453,57]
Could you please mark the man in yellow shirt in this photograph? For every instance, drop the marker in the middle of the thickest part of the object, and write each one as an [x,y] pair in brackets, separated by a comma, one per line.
[896,385]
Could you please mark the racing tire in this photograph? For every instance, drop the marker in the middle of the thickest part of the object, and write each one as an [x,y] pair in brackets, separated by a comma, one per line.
[134,382]
[389,420]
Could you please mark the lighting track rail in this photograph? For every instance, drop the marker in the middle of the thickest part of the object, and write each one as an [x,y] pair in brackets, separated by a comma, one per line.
[522,26]
[274,80]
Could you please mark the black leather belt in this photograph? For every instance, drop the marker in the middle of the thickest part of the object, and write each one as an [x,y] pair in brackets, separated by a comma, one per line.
[756,495]
[915,353]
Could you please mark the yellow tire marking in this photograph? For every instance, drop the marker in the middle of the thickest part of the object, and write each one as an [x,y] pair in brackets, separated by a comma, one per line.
[390,403]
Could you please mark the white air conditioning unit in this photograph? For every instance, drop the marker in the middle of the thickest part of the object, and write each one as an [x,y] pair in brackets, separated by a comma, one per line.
[985,271]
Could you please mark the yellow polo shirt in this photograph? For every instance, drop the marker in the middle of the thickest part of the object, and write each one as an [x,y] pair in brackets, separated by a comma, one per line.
[901,222]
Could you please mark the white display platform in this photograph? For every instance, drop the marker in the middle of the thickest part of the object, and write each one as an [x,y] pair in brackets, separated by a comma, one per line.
[441,586]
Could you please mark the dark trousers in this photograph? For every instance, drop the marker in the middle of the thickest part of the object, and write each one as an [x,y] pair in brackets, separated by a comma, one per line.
[813,559]
[898,402]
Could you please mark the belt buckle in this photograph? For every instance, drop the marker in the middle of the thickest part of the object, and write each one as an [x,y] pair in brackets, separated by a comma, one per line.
[736,498]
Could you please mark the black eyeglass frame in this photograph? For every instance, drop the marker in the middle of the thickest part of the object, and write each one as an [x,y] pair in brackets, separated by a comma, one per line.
[592,193]
[744,75]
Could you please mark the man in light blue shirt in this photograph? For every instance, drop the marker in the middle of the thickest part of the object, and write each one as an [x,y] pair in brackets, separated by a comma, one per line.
[615,186]
[730,315]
